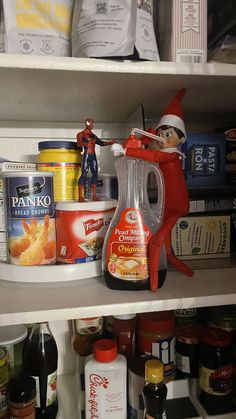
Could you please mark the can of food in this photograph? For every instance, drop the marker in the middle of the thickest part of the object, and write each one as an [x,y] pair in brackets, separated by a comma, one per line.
[4,378]
[63,158]
[30,218]
[81,228]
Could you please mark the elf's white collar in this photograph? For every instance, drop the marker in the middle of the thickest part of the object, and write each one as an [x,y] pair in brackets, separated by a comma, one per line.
[173,150]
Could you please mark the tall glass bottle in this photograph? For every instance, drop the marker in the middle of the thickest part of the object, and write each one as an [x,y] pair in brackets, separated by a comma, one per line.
[40,359]
[154,390]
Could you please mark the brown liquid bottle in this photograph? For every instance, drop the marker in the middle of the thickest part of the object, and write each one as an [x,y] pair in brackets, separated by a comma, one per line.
[154,390]
[125,251]
[40,358]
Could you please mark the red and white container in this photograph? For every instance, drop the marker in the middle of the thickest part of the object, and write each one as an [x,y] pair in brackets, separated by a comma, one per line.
[105,382]
[81,228]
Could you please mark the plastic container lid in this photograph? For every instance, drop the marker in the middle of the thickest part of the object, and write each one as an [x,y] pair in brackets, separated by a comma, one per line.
[125,316]
[161,321]
[216,337]
[10,335]
[68,145]
[154,371]
[89,205]
[105,350]
[22,389]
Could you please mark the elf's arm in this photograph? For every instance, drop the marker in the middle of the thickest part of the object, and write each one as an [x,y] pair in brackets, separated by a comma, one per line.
[151,155]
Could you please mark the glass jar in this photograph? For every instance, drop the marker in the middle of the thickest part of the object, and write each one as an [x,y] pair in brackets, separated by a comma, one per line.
[216,371]
[156,336]
[22,394]
[187,349]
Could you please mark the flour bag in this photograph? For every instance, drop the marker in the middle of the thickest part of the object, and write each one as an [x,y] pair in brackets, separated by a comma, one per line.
[114,28]
[38,27]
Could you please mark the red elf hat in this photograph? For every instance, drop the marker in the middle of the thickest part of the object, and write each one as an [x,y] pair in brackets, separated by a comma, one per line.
[173,113]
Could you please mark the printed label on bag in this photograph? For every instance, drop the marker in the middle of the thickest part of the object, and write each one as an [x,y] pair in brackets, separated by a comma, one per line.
[127,247]
[216,382]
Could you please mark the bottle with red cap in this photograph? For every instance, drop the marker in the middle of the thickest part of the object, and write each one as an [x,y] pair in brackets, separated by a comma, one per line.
[216,371]
[105,382]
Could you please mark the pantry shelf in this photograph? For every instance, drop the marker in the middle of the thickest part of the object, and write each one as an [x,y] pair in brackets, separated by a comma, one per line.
[45,89]
[28,303]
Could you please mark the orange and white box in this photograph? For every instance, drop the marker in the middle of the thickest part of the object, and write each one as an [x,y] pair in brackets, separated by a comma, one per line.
[182,31]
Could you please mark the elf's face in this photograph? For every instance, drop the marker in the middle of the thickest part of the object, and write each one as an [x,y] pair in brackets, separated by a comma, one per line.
[170,138]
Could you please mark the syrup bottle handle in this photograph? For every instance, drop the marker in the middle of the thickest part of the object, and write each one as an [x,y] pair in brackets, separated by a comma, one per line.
[159,207]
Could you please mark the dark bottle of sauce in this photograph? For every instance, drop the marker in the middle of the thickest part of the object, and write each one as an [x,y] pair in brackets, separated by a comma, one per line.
[154,390]
[124,330]
[216,371]
[40,358]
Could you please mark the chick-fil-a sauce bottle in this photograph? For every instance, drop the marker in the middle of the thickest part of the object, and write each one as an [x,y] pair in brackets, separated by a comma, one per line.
[105,382]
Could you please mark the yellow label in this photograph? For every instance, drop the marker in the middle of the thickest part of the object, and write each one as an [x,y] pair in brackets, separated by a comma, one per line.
[216,382]
[65,182]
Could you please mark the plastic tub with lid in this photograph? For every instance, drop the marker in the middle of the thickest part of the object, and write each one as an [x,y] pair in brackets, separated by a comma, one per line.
[64,159]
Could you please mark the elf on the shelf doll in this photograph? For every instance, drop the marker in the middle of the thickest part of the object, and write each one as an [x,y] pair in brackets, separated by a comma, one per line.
[172,131]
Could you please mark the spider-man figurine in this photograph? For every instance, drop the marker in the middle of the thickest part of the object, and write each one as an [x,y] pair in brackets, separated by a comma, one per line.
[87,139]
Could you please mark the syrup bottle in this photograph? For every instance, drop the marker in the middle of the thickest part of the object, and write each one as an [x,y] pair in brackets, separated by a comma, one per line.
[125,261]
[40,358]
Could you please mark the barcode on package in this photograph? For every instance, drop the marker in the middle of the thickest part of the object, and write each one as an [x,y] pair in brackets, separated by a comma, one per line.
[190,59]
[102,7]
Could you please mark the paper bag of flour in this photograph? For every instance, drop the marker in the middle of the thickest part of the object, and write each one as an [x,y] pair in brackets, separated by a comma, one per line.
[38,27]
[114,28]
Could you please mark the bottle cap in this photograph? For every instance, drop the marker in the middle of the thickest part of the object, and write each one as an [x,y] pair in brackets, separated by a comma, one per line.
[105,350]
[22,389]
[154,371]
[125,316]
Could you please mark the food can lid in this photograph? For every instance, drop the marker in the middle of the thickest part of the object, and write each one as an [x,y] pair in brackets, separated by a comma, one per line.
[21,173]
[105,350]
[161,321]
[125,316]
[88,205]
[69,145]
[189,333]
[22,389]
[216,337]
[10,335]
[154,371]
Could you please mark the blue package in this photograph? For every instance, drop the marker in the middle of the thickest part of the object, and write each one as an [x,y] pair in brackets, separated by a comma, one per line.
[205,159]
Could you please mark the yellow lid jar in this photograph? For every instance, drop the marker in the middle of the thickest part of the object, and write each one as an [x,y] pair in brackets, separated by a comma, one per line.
[63,158]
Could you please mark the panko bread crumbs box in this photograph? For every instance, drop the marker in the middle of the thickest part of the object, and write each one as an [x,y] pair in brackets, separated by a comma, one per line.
[202,237]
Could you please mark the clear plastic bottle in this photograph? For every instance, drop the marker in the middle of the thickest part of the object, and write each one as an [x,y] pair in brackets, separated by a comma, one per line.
[154,390]
[105,382]
[125,261]
[40,358]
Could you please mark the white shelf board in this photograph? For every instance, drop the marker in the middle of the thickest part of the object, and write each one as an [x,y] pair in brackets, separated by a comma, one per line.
[28,303]
[53,89]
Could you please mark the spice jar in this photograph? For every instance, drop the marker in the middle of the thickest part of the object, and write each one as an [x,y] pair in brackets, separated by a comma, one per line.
[216,370]
[187,349]
[156,336]
[4,378]
[22,394]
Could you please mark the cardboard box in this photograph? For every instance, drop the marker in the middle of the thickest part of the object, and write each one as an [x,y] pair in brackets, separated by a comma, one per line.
[8,166]
[181,30]
[205,159]
[202,237]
